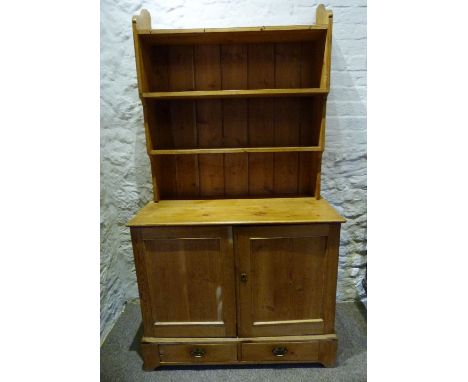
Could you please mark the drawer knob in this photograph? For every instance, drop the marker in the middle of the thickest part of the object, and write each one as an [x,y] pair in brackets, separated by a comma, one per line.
[279,351]
[197,352]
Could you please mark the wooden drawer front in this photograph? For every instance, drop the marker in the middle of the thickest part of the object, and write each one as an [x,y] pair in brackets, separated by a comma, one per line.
[281,351]
[197,353]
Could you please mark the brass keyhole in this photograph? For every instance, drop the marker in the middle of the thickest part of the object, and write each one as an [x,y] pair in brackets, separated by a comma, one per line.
[243,277]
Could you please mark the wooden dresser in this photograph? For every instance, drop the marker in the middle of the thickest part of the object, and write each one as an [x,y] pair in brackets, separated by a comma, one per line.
[236,257]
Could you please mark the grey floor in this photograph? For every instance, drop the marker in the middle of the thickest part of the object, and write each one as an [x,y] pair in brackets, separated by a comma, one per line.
[120,360]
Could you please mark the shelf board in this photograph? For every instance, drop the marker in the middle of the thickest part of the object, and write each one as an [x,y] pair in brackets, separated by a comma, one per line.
[233,35]
[236,150]
[199,94]
[236,211]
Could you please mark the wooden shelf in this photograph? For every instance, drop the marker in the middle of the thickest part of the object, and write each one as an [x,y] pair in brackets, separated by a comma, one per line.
[255,93]
[236,150]
[233,35]
[236,211]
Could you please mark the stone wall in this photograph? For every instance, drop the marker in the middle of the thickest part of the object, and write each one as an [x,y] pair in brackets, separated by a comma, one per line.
[125,172]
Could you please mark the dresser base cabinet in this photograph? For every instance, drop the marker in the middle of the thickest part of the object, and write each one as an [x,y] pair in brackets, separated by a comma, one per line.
[237,290]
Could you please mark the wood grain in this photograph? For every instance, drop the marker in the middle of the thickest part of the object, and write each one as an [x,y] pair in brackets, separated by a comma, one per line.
[287,283]
[181,68]
[296,351]
[159,66]
[330,278]
[264,92]
[327,352]
[209,120]
[142,279]
[285,267]
[286,165]
[236,150]
[234,66]
[189,281]
[236,165]
[141,70]
[236,211]
[291,33]
[178,340]
[142,21]
[150,354]
[176,353]
[183,121]
[300,349]
[261,118]
[325,17]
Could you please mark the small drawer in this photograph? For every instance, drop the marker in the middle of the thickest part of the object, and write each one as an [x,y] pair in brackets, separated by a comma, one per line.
[281,351]
[197,353]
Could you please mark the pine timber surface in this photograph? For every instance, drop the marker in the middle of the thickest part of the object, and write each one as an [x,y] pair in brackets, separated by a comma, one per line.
[232,35]
[306,92]
[236,211]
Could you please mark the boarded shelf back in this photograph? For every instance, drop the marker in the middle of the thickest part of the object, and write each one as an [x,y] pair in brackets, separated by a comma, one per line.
[236,123]
[173,68]
[237,175]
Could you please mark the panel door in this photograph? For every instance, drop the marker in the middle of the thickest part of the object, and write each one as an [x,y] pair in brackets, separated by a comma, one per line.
[287,279]
[186,281]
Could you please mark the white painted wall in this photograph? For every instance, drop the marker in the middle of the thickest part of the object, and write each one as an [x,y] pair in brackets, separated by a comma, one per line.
[125,172]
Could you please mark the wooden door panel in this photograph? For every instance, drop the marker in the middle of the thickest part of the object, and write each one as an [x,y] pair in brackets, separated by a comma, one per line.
[190,282]
[287,270]
[190,269]
[287,287]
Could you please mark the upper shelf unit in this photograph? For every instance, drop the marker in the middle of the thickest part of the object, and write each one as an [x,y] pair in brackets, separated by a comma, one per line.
[236,112]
